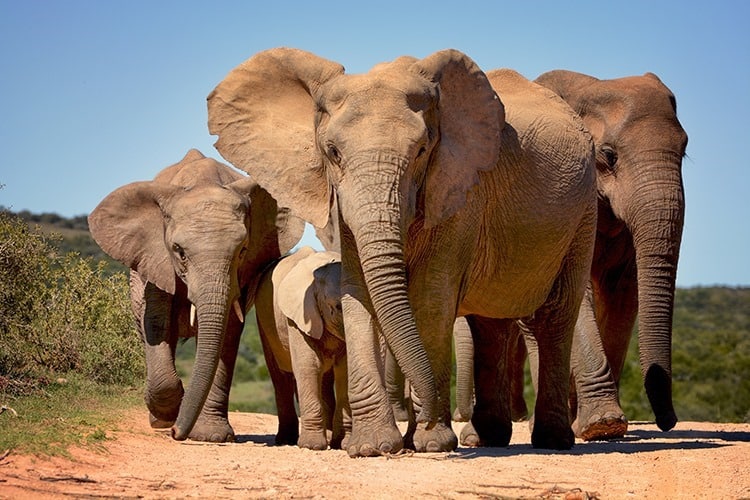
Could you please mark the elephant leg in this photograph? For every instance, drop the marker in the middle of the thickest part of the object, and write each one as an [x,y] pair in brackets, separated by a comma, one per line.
[308,370]
[152,309]
[491,423]
[437,328]
[516,360]
[213,422]
[597,412]
[374,429]
[342,417]
[284,388]
[396,384]
[328,398]
[615,300]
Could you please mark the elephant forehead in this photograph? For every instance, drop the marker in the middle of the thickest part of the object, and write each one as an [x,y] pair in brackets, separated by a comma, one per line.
[372,90]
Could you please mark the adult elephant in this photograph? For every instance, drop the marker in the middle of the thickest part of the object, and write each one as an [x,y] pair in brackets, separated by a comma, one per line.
[639,149]
[196,239]
[450,203]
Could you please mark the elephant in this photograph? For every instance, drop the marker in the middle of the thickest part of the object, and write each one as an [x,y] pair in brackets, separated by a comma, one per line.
[298,310]
[451,202]
[196,239]
[639,149]
[639,144]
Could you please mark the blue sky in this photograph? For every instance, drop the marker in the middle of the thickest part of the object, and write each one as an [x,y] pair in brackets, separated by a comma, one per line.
[96,94]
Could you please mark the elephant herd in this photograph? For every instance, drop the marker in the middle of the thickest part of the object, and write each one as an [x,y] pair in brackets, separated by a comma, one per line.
[535,218]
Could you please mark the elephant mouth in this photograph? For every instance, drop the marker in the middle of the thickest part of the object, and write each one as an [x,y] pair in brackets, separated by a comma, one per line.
[236,307]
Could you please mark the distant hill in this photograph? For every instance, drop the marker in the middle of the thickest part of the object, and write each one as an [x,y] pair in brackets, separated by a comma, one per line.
[69,235]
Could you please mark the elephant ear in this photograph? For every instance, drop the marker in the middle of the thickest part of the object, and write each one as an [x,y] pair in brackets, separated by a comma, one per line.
[263,113]
[295,294]
[272,232]
[471,121]
[128,225]
[569,85]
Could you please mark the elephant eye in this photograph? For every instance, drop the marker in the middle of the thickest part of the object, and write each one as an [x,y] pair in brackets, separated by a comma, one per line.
[179,251]
[334,154]
[610,156]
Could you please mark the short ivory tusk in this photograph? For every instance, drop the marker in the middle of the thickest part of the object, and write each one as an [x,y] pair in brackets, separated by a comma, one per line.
[238,311]
[192,315]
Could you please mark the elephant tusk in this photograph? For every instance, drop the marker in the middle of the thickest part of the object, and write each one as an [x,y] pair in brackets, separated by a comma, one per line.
[192,315]
[238,311]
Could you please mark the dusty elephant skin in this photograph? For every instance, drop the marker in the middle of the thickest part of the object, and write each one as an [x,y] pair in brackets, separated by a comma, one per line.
[195,238]
[640,145]
[486,203]
[639,149]
[298,308]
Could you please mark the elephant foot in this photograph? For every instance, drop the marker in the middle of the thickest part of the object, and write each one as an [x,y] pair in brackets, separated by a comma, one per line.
[551,437]
[313,440]
[469,436]
[158,423]
[367,442]
[610,425]
[215,430]
[440,438]
[486,432]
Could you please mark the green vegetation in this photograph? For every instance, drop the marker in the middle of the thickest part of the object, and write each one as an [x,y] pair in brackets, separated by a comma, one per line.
[67,316]
[46,423]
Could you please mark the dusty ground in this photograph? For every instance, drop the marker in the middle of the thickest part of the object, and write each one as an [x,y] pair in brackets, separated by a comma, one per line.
[696,460]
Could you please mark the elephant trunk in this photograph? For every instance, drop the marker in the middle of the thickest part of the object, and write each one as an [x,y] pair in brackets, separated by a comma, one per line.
[212,315]
[464,347]
[657,233]
[376,223]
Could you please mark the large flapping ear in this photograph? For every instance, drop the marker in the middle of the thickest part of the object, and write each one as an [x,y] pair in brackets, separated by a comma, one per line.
[128,225]
[263,113]
[471,121]
[569,85]
[295,294]
[273,231]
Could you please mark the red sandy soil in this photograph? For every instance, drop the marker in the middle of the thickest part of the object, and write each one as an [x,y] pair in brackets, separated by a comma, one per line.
[695,460]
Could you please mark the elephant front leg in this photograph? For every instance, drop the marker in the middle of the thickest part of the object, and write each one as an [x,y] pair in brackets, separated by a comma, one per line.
[342,416]
[152,310]
[374,429]
[598,414]
[213,422]
[439,437]
[308,371]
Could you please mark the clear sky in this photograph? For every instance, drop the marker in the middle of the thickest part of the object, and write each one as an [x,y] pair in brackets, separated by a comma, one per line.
[97,93]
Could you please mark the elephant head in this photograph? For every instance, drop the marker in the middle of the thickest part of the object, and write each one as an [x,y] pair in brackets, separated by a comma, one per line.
[310,294]
[400,146]
[201,223]
[639,149]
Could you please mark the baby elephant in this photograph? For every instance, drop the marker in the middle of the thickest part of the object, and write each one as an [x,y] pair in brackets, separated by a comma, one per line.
[298,307]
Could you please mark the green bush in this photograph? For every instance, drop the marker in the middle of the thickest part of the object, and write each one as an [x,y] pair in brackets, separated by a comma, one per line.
[60,314]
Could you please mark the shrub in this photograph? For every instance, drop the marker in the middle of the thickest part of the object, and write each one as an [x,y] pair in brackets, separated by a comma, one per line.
[60,313]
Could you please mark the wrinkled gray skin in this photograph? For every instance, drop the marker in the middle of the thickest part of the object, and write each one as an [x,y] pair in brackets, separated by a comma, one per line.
[398,391]
[487,207]
[639,149]
[298,308]
[199,233]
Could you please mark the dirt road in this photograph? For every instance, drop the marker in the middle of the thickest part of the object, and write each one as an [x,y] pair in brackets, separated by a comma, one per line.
[696,460]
